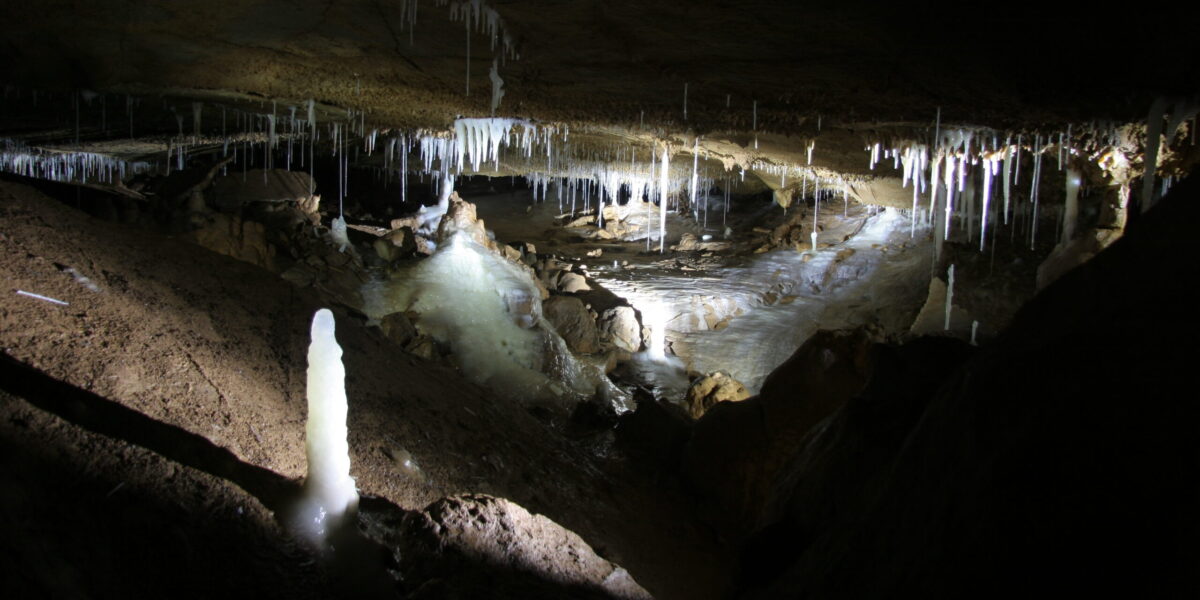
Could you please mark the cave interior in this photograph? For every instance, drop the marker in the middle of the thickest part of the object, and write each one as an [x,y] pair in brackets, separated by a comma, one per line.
[597,299]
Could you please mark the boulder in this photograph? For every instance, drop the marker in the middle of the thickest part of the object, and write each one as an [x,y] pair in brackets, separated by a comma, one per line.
[403,238]
[511,253]
[712,388]
[688,242]
[619,326]
[398,328]
[740,451]
[479,546]
[236,237]
[570,283]
[571,320]
[386,251]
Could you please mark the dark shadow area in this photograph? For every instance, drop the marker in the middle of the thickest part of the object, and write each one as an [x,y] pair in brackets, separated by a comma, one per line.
[87,516]
[108,418]
[1062,457]
[355,564]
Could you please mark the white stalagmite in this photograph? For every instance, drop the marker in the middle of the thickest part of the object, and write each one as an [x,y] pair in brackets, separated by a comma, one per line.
[337,231]
[329,493]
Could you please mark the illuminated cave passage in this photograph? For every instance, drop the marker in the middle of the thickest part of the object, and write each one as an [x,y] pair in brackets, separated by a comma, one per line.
[632,299]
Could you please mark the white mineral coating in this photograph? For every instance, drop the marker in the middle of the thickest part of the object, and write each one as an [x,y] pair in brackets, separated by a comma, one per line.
[329,494]
[337,231]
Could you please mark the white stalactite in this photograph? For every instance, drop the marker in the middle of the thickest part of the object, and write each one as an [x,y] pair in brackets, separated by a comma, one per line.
[663,184]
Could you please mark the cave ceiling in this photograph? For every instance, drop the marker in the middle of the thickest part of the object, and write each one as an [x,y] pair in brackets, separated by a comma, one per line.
[762,79]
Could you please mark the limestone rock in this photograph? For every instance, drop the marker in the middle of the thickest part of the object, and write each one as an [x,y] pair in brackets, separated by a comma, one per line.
[232,192]
[619,326]
[385,250]
[688,242]
[409,222]
[398,328]
[309,205]
[461,216]
[236,237]
[571,283]
[739,451]
[710,389]
[425,246]
[581,222]
[403,238]
[571,320]
[511,253]
[423,346]
[476,545]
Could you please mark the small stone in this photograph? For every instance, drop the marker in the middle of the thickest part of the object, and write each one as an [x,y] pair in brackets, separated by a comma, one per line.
[710,389]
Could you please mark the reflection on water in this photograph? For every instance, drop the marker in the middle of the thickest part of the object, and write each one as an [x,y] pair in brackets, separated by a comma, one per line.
[747,319]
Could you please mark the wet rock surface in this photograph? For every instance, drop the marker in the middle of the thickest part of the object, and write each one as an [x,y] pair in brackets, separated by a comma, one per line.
[573,322]
[707,390]
[620,327]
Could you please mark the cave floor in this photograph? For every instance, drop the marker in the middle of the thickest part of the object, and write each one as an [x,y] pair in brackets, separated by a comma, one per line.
[212,350]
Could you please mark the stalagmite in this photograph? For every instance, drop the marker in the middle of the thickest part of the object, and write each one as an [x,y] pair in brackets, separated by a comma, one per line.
[329,495]
[337,231]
